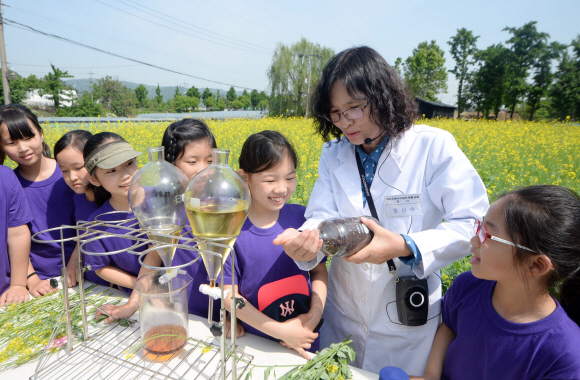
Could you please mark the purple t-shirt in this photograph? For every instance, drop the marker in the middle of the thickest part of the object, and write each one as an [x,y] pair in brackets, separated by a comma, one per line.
[125,261]
[51,203]
[198,302]
[14,212]
[489,347]
[83,207]
[83,211]
[266,276]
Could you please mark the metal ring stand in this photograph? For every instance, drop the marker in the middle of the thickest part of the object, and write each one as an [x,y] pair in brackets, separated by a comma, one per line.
[110,343]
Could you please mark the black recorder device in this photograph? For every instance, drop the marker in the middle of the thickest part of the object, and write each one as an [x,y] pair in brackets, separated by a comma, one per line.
[412,300]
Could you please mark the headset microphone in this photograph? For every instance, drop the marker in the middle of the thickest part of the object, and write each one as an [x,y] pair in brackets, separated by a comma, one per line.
[369,141]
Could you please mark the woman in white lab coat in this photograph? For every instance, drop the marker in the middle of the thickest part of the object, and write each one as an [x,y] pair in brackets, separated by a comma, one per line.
[361,97]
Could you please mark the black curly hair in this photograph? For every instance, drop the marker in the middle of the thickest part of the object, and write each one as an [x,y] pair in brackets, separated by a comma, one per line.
[367,76]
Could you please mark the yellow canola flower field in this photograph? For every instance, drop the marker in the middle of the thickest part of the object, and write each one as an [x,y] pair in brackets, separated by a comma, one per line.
[507,154]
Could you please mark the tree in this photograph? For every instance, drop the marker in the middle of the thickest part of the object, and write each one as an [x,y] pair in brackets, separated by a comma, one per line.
[255,98]
[209,102]
[236,104]
[491,78]
[177,93]
[54,85]
[526,46]
[18,88]
[185,103]
[462,50]
[158,96]
[193,93]
[425,71]
[246,99]
[220,104]
[141,94]
[565,91]
[113,95]
[206,94]
[85,107]
[542,75]
[288,74]
[231,94]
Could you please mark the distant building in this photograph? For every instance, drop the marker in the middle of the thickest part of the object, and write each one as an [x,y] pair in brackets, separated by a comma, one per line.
[430,110]
[33,99]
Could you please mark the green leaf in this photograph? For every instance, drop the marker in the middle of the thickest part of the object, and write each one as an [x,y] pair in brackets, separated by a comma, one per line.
[249,375]
[267,373]
[324,376]
[341,355]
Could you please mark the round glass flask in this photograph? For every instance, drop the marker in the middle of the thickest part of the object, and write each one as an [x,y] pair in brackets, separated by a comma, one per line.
[156,199]
[216,202]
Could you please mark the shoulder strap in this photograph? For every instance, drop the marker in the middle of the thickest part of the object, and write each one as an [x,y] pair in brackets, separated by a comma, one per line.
[361,172]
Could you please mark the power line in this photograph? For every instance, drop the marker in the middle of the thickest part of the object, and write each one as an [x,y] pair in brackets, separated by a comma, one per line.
[31,29]
[187,25]
[132,44]
[182,32]
[76,67]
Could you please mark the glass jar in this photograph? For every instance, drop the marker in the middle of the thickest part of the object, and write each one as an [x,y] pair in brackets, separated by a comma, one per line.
[163,312]
[344,236]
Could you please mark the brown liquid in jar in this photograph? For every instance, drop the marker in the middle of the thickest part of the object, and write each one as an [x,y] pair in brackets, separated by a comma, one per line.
[165,339]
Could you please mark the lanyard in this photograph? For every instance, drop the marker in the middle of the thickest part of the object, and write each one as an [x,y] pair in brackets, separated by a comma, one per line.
[361,172]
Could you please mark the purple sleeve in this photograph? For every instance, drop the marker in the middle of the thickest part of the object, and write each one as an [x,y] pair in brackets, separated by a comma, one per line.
[96,262]
[18,211]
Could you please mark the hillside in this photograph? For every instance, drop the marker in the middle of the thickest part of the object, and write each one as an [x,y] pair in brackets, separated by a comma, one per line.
[167,91]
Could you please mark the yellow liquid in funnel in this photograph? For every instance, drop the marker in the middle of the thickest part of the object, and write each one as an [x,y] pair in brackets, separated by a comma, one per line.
[220,219]
[166,253]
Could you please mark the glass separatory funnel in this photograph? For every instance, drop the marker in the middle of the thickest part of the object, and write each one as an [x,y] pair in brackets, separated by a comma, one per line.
[163,311]
[217,201]
[156,198]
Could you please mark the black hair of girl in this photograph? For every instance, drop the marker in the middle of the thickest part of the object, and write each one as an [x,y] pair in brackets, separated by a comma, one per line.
[182,132]
[77,140]
[368,77]
[96,141]
[2,157]
[265,150]
[17,117]
[546,219]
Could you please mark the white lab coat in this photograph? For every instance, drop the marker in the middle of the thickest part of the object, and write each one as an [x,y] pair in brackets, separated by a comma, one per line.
[426,161]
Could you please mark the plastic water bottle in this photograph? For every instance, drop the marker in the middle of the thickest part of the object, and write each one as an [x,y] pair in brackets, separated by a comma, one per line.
[344,236]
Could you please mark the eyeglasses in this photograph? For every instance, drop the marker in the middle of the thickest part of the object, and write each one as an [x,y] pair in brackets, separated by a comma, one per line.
[481,232]
[350,114]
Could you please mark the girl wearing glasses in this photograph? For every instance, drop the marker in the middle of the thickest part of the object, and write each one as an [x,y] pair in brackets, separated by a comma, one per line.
[499,321]
[362,105]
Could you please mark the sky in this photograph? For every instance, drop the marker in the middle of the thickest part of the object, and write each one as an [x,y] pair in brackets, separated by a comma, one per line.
[232,42]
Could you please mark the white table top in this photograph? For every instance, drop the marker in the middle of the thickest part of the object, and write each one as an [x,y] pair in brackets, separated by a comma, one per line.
[84,362]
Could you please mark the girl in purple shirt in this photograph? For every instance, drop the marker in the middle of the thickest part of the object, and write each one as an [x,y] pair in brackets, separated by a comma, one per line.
[68,152]
[499,320]
[50,199]
[283,302]
[111,164]
[15,238]
[188,144]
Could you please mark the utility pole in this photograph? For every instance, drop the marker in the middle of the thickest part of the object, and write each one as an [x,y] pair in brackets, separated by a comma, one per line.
[5,84]
[91,84]
[309,74]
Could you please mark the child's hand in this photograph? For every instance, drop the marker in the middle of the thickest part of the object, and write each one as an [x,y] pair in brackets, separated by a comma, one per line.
[14,294]
[301,246]
[38,287]
[296,335]
[240,330]
[123,311]
[72,273]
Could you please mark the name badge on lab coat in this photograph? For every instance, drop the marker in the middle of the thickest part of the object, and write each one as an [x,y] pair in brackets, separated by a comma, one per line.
[403,205]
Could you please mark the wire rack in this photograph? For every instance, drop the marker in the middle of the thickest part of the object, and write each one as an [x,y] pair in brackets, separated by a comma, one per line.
[106,354]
